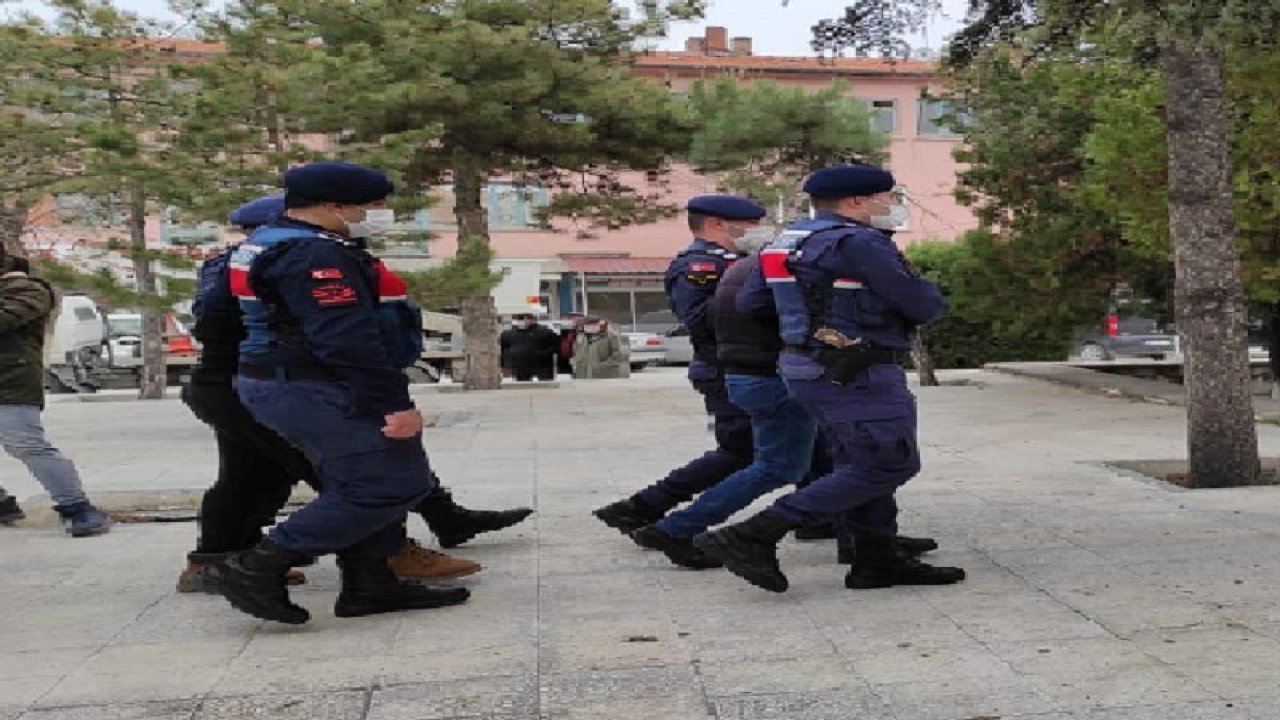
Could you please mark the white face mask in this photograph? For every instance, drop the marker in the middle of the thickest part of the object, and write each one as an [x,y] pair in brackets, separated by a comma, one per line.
[756,238]
[376,221]
[895,217]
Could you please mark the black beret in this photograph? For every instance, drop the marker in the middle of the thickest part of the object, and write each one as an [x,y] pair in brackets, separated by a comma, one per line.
[337,182]
[729,207]
[257,212]
[849,181]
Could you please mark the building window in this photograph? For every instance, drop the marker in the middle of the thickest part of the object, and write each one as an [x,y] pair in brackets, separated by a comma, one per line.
[884,116]
[85,211]
[207,232]
[937,119]
[510,207]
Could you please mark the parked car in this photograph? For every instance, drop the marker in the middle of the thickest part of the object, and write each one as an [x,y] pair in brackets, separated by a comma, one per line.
[1130,336]
[123,345]
[679,347]
[658,322]
[646,349]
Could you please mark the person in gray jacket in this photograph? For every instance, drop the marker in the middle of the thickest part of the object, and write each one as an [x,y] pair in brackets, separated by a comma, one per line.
[27,305]
[598,352]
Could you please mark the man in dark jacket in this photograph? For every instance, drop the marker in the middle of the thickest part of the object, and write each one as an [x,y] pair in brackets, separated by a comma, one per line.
[26,305]
[529,349]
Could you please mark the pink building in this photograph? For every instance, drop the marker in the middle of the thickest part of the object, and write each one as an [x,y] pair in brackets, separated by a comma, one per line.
[618,274]
[621,270]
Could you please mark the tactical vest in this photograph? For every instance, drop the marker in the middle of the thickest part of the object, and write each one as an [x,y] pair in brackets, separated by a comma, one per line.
[809,297]
[399,319]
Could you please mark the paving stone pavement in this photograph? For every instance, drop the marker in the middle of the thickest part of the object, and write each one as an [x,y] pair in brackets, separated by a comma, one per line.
[1092,595]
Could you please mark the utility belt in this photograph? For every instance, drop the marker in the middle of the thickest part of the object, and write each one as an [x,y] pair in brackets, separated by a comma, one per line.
[842,365]
[287,373]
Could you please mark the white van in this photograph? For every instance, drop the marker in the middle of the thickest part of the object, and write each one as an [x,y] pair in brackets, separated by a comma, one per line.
[75,346]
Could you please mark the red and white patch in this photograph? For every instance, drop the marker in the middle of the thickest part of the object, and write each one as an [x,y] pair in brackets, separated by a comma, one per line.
[696,267]
[326,274]
[773,264]
[334,294]
[391,287]
[847,284]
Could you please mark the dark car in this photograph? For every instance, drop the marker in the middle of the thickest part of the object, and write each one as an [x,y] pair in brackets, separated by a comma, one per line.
[1131,336]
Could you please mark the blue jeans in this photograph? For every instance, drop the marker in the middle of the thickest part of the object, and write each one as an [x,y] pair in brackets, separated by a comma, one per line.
[368,482]
[23,437]
[783,433]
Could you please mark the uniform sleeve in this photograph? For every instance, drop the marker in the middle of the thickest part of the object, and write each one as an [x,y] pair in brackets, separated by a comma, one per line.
[755,297]
[884,271]
[326,289]
[692,282]
[25,301]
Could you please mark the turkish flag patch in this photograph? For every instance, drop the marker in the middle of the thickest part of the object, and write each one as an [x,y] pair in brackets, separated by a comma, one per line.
[703,267]
[334,294]
[326,274]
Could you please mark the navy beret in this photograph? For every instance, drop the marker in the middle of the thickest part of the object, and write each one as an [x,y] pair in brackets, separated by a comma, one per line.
[729,207]
[257,212]
[849,181]
[337,182]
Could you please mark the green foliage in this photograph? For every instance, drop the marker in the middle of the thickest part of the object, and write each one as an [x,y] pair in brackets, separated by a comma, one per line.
[534,90]
[105,289]
[465,275]
[767,137]
[1004,304]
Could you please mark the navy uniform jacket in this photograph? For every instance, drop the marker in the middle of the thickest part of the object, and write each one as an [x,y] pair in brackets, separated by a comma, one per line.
[319,307]
[691,282]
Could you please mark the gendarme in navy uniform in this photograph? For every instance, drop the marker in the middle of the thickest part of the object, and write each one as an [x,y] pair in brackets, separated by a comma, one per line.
[848,304]
[319,367]
[717,222]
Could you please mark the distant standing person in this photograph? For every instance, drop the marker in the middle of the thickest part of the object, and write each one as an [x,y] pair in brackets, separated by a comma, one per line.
[529,349]
[27,307]
[598,353]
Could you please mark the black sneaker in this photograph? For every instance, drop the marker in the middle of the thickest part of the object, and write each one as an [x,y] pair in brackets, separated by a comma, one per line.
[9,511]
[678,550]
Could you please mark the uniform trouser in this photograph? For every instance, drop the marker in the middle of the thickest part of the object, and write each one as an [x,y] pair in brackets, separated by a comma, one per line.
[257,469]
[733,452]
[872,458]
[368,482]
[783,434]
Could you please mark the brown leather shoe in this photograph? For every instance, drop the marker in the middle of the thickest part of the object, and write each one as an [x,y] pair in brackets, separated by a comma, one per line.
[193,579]
[415,562]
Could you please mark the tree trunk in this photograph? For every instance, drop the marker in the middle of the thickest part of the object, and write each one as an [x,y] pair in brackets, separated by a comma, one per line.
[923,360]
[13,221]
[152,381]
[1208,292]
[1273,347]
[479,316]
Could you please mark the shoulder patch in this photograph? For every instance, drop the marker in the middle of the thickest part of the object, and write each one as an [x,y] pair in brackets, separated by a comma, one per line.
[326,274]
[334,294]
[697,267]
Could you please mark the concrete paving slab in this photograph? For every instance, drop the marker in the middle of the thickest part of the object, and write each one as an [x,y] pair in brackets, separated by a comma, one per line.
[1092,595]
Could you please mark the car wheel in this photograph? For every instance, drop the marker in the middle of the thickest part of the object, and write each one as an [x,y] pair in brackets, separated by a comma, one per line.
[637,367]
[1093,352]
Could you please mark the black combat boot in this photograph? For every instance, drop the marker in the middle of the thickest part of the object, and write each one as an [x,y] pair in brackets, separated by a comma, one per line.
[909,546]
[369,588]
[253,581]
[749,549]
[628,516]
[678,550]
[879,564]
[816,532]
[454,525]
